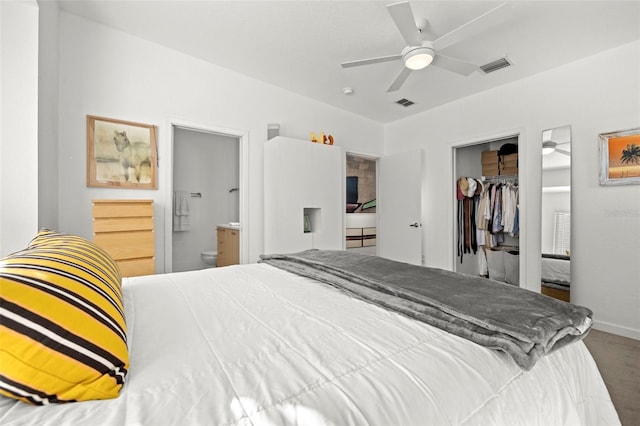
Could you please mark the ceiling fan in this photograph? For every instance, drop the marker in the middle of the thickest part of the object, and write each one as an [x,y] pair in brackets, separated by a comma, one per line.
[423,45]
[550,146]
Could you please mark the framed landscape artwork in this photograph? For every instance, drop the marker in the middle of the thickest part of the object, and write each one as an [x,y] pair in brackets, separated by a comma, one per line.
[620,157]
[121,154]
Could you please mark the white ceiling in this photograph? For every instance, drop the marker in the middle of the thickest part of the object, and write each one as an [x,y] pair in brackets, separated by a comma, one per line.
[299,45]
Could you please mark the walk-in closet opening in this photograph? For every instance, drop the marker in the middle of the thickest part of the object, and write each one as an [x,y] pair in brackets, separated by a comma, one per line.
[487,217]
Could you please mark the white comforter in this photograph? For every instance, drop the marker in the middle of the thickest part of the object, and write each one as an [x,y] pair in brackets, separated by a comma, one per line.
[256,345]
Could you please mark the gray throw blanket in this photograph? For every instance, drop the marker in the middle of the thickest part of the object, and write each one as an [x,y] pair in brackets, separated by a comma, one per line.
[522,323]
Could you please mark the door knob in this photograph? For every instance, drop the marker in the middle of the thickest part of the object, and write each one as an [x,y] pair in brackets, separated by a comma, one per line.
[415,225]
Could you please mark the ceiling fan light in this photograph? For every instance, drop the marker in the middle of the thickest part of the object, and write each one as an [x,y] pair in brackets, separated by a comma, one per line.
[418,58]
[547,150]
[548,147]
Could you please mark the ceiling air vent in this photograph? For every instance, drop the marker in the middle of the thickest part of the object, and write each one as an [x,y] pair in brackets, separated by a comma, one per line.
[405,102]
[495,65]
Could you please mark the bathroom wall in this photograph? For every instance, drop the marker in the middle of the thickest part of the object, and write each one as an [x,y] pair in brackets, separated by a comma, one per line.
[204,163]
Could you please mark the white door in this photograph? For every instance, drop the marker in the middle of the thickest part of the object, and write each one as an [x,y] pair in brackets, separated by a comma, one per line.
[399,207]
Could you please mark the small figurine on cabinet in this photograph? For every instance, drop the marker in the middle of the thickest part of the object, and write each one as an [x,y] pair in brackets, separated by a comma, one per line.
[317,139]
[323,139]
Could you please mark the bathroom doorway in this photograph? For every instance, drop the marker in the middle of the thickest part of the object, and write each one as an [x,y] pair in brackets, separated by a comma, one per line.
[206,181]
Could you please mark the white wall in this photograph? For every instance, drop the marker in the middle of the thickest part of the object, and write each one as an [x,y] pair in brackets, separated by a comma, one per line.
[208,164]
[48,116]
[594,95]
[109,73]
[18,124]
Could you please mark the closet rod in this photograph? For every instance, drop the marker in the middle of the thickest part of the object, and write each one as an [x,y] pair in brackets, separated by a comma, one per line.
[500,177]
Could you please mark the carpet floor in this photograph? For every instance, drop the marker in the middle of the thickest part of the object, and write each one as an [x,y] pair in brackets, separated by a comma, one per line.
[618,359]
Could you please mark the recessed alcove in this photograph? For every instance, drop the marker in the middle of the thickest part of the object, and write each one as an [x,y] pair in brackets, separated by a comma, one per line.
[314,214]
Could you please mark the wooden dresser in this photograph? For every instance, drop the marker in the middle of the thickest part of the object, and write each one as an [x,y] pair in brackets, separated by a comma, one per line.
[124,229]
[228,246]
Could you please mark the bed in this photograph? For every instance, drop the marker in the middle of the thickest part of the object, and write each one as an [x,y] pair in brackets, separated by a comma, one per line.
[258,344]
[556,276]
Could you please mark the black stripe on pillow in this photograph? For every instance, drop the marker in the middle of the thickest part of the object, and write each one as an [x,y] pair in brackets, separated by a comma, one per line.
[70,276]
[72,298]
[34,396]
[87,254]
[71,243]
[114,286]
[60,340]
[90,359]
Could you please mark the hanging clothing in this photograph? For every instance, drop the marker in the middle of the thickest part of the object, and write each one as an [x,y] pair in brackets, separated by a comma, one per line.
[486,212]
[460,221]
[496,223]
[468,192]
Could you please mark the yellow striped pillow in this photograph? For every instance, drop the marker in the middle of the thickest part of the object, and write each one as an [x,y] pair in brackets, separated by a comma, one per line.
[62,323]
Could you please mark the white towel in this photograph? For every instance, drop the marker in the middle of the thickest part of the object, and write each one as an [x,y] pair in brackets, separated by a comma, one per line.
[181,211]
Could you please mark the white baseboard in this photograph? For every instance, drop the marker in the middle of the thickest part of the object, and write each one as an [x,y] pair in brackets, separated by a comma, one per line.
[617,329]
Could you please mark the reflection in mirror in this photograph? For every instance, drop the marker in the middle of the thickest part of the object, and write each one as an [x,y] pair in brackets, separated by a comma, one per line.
[361,204]
[556,212]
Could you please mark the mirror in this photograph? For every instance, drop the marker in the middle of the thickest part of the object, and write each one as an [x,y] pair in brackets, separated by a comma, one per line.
[556,212]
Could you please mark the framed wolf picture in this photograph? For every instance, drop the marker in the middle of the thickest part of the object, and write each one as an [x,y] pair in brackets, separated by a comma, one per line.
[121,154]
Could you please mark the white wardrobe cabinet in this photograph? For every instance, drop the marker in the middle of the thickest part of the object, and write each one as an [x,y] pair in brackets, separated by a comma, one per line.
[301,179]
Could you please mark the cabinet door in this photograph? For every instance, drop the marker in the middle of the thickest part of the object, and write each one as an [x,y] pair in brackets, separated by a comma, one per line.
[327,186]
[233,246]
[302,175]
[286,194]
[222,247]
[228,247]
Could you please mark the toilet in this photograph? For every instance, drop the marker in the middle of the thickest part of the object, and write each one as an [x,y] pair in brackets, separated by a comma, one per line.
[210,257]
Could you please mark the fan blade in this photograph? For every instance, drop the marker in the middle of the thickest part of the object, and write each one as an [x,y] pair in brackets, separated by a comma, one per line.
[371,61]
[474,27]
[399,81]
[403,17]
[562,151]
[455,65]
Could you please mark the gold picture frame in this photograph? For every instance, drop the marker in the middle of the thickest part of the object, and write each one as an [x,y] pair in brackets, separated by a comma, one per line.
[121,154]
[620,157]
